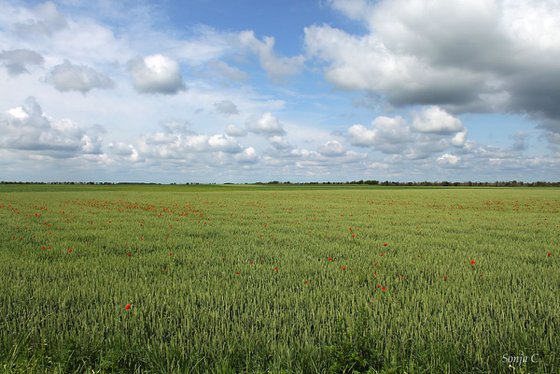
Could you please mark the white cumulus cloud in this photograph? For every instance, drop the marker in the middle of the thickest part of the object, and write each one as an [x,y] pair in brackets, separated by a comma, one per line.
[27,128]
[266,124]
[432,130]
[385,132]
[156,74]
[248,156]
[448,160]
[332,148]
[436,120]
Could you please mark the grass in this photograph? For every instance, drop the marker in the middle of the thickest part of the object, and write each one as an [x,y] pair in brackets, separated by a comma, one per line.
[279,278]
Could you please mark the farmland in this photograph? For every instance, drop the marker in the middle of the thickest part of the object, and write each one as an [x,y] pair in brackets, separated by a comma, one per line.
[280,279]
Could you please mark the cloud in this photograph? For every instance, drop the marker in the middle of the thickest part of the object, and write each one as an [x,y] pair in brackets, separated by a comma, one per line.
[475,56]
[432,130]
[156,74]
[448,160]
[279,142]
[385,132]
[69,77]
[205,45]
[177,142]
[267,124]
[365,63]
[332,148]
[435,120]
[235,131]
[459,138]
[226,107]
[329,156]
[224,143]
[27,128]
[17,61]
[45,19]
[120,151]
[276,67]
[355,9]
[248,156]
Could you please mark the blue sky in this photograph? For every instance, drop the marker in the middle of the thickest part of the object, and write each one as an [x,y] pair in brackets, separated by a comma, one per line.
[244,91]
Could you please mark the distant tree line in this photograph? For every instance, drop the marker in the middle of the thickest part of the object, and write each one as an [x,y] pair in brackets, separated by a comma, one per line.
[513,183]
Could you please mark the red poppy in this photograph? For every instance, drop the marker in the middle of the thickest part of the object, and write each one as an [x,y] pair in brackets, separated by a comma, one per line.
[127,306]
[353,235]
[330,258]
[343,267]
[473,262]
[276,268]
[70,250]
[383,289]
[129,254]
[445,277]
[43,247]
[548,254]
[378,285]
[385,244]
[237,273]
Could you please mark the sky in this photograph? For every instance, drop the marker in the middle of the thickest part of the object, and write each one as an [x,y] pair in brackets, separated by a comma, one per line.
[314,90]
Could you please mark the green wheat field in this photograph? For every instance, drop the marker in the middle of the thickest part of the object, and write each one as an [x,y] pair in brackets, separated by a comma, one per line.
[281,279]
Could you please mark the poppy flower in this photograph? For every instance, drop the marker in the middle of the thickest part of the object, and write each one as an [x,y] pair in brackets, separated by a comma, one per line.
[129,254]
[276,269]
[343,267]
[378,285]
[70,250]
[330,258]
[383,289]
[127,306]
[385,244]
[353,235]
[43,247]
[473,262]
[445,277]
[548,254]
